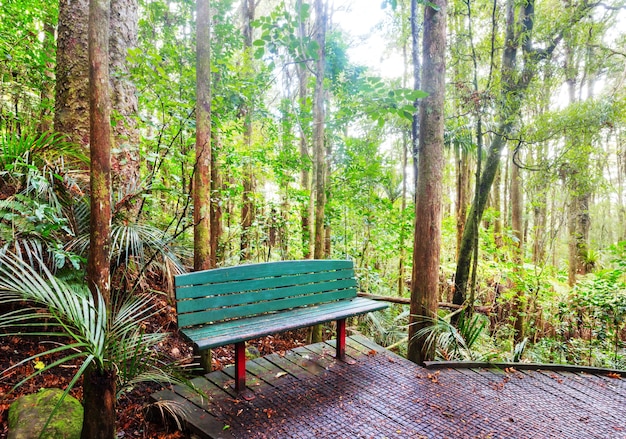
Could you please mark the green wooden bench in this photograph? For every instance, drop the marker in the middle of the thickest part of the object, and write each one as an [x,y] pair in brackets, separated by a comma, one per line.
[234,304]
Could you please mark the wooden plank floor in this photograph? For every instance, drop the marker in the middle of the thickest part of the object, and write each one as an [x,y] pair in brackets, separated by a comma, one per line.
[376,394]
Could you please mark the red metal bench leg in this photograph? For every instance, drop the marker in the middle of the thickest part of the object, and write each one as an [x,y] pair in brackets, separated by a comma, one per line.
[341,339]
[240,366]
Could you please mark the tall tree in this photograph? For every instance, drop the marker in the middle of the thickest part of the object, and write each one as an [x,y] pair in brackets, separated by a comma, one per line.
[318,128]
[520,21]
[319,149]
[427,239]
[305,155]
[247,207]
[415,57]
[202,169]
[99,381]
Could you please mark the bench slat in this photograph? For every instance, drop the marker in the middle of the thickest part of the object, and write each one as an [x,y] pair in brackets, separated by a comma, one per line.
[250,297]
[234,326]
[254,327]
[255,271]
[230,287]
[214,315]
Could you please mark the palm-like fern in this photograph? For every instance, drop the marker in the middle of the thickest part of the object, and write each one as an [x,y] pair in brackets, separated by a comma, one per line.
[106,337]
[453,342]
[37,192]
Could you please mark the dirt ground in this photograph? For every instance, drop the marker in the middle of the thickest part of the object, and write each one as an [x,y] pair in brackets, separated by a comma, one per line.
[131,409]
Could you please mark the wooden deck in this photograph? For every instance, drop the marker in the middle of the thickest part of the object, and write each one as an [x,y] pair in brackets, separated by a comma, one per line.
[308,394]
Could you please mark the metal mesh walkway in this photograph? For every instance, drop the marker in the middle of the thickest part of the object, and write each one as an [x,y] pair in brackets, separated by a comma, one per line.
[307,394]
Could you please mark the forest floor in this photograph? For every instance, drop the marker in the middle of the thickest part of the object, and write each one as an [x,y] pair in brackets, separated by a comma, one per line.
[132,406]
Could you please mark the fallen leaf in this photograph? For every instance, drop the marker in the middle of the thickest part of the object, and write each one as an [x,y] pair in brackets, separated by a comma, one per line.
[372,352]
[614,375]
[280,374]
[38,365]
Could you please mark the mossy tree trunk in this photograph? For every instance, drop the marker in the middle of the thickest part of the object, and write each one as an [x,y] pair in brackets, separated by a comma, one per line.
[427,238]
[319,150]
[99,382]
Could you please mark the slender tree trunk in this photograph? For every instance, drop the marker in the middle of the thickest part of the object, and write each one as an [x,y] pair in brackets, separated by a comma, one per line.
[99,392]
[247,207]
[540,208]
[216,202]
[318,129]
[99,402]
[497,205]
[318,141]
[307,211]
[415,57]
[518,308]
[427,245]
[514,84]
[202,258]
[462,193]
[202,171]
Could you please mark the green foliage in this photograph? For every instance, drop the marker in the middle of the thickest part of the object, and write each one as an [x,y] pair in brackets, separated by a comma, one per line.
[108,338]
[450,342]
[38,192]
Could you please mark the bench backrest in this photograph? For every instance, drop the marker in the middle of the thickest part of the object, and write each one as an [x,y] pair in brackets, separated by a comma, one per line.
[246,290]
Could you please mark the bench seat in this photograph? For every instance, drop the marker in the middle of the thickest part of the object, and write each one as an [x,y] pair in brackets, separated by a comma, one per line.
[239,330]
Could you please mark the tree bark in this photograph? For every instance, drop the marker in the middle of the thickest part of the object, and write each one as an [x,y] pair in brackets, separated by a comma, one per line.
[427,244]
[125,162]
[202,171]
[99,388]
[72,82]
[71,113]
[318,129]
[247,206]
[318,141]
[99,385]
[305,155]
[518,308]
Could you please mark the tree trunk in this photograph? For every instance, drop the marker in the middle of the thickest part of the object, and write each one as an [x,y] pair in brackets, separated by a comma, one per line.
[318,129]
[216,230]
[318,142]
[307,211]
[71,115]
[72,82]
[99,385]
[518,308]
[415,56]
[125,162]
[202,171]
[514,84]
[462,193]
[247,206]
[99,388]
[98,262]
[427,245]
